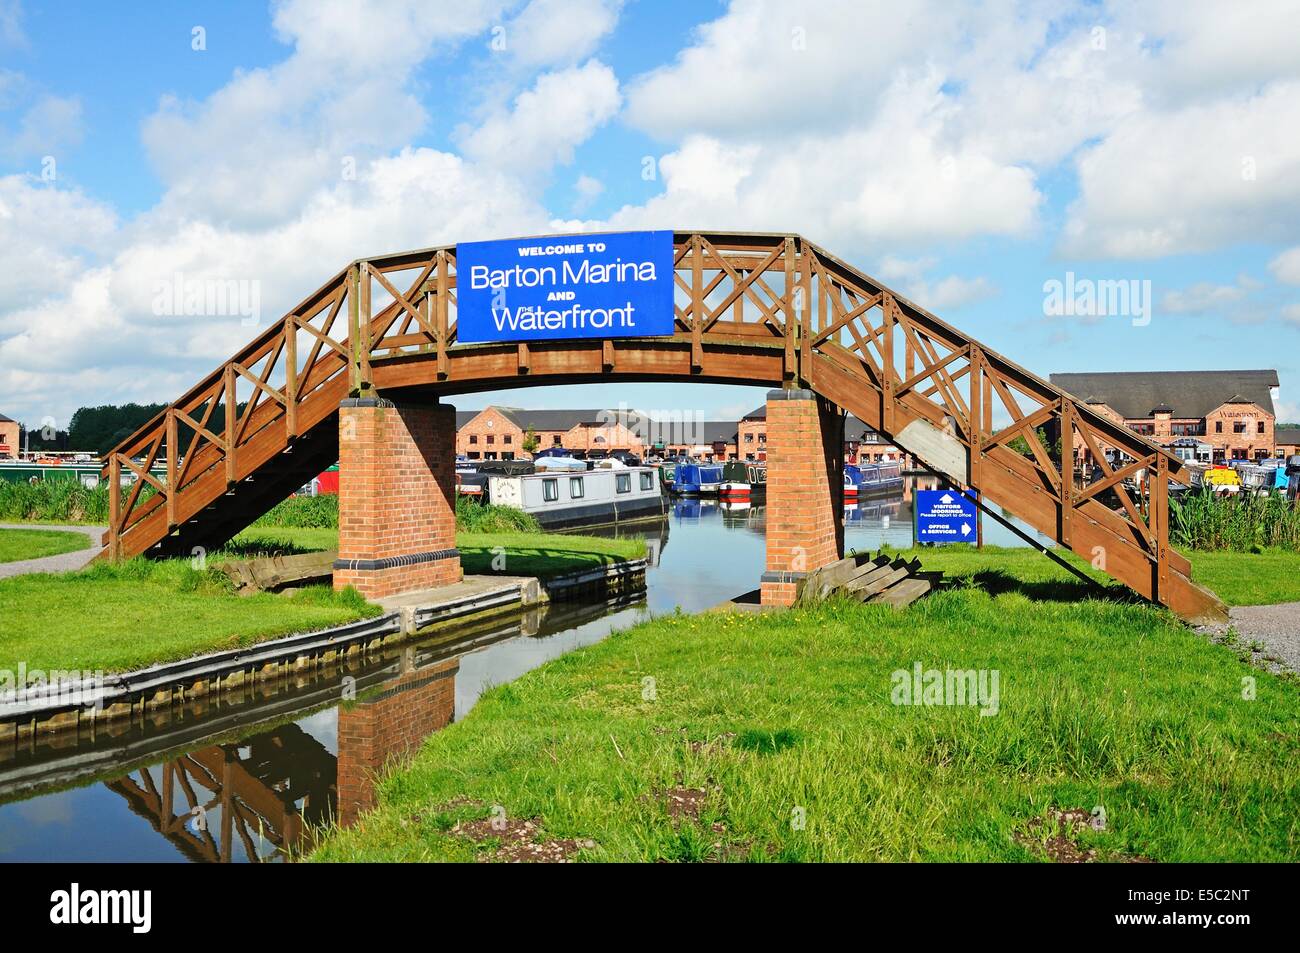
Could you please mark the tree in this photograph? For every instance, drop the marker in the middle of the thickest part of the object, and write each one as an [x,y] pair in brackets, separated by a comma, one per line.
[531,441]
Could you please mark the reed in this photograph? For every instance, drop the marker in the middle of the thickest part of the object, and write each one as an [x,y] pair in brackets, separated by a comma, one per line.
[57,501]
[1240,523]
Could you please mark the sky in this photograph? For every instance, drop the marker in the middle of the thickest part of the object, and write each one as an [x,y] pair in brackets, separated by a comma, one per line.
[987,161]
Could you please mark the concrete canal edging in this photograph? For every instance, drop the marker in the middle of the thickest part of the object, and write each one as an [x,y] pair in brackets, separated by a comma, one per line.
[65,705]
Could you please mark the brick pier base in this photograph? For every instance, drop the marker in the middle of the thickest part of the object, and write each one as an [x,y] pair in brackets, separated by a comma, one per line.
[805,452]
[397,496]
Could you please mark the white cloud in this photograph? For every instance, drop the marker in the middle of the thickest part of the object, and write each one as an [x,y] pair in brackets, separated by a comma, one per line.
[1201,297]
[47,235]
[48,125]
[1286,266]
[547,122]
[254,152]
[563,32]
[11,23]
[1192,180]
[909,277]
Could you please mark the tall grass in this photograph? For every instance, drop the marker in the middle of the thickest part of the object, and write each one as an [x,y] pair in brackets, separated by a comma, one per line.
[57,501]
[304,512]
[1239,523]
[473,517]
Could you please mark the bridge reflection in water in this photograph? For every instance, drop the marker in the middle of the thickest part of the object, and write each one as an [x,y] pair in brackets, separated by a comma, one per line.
[303,755]
[266,794]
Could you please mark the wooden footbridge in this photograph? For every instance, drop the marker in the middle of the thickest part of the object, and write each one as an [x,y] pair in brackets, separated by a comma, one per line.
[761,309]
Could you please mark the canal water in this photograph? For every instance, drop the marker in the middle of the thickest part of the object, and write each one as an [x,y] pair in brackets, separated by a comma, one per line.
[247,777]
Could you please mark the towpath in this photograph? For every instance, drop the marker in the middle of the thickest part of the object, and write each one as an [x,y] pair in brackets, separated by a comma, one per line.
[63,562]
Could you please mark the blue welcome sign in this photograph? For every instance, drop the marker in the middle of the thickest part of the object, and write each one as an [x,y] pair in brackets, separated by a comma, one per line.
[618,284]
[945,516]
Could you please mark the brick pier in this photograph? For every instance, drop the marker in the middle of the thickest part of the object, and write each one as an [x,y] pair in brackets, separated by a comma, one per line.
[805,529]
[397,496]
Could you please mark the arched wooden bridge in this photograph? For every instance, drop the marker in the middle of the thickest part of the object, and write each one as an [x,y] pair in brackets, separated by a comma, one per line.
[762,309]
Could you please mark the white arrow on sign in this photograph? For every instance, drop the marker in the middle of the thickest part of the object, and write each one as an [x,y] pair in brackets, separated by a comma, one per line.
[946,498]
[965,529]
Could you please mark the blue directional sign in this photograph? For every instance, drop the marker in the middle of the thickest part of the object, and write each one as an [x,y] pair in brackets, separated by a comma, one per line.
[945,516]
[618,284]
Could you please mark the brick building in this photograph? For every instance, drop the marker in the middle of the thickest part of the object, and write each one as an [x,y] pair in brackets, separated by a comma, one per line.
[498,433]
[861,443]
[1231,411]
[9,436]
[1287,439]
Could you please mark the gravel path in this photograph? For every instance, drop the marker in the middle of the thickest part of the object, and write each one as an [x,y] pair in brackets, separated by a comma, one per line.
[1275,628]
[63,562]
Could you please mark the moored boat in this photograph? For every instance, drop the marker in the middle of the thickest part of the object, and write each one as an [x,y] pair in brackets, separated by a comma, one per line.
[599,497]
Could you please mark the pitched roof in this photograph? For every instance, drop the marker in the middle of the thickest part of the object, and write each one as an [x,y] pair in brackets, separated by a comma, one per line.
[5,420]
[1286,433]
[1191,394]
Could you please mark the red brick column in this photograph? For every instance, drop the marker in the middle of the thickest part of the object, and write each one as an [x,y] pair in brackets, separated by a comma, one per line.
[397,496]
[804,512]
[386,727]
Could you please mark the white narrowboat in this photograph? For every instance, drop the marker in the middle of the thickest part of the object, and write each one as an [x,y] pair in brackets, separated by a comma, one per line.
[596,497]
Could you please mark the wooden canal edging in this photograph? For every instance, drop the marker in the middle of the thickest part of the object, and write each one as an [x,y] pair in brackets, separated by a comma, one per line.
[892,581]
[884,579]
[70,705]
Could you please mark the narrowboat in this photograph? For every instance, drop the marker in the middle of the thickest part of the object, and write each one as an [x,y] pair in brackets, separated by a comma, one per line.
[742,481]
[879,478]
[697,479]
[597,497]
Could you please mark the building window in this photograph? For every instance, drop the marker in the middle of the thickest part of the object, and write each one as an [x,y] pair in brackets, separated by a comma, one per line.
[575,488]
[1218,426]
[1259,427]
[555,440]
[550,490]
[1239,426]
[473,438]
[647,480]
[508,455]
[749,438]
[491,439]
[505,438]
[473,454]
[762,438]
[623,483]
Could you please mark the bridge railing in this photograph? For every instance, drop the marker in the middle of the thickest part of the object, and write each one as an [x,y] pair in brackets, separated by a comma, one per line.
[829,327]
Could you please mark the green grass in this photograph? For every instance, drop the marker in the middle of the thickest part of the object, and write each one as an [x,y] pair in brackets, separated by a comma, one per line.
[1101,703]
[1239,579]
[526,553]
[115,618]
[119,617]
[16,544]
[1249,579]
[541,554]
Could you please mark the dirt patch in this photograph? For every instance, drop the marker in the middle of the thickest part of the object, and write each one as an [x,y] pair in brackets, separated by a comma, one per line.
[1056,836]
[518,841]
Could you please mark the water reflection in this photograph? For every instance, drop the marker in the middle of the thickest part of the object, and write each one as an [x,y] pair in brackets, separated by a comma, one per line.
[247,774]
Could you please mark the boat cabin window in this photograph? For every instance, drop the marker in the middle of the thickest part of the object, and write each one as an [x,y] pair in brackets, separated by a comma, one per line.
[575,488]
[647,480]
[550,490]
[623,482]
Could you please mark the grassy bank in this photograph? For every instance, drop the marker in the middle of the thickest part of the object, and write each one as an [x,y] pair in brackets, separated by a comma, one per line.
[775,738]
[16,544]
[115,618]
[1239,579]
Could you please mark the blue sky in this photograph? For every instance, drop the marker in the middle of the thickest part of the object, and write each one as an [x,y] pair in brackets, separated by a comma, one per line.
[974,155]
